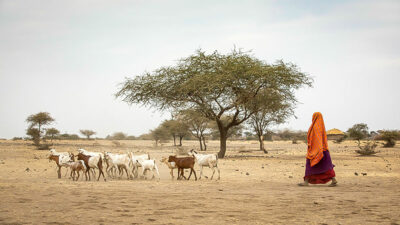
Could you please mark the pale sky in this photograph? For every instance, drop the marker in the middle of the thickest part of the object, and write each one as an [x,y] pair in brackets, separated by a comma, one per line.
[68,57]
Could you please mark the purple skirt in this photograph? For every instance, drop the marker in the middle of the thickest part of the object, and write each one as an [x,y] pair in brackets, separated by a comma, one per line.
[321,167]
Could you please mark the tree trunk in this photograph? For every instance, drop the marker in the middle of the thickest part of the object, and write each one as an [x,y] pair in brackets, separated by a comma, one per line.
[204,143]
[180,140]
[174,139]
[222,141]
[201,145]
[261,140]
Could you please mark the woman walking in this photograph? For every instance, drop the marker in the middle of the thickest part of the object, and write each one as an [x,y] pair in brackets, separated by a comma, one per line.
[319,167]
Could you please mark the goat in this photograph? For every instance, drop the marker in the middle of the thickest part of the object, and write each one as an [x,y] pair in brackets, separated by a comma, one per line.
[85,152]
[206,160]
[149,165]
[117,161]
[61,159]
[77,167]
[183,163]
[171,166]
[135,164]
[92,162]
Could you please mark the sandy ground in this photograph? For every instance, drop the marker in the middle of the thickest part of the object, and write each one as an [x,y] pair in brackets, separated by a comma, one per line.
[267,194]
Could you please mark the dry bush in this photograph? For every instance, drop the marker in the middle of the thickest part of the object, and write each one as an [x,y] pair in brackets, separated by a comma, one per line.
[117,143]
[340,140]
[44,146]
[368,148]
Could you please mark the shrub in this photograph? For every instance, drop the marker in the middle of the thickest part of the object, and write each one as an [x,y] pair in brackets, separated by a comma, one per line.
[367,149]
[44,146]
[390,137]
[340,140]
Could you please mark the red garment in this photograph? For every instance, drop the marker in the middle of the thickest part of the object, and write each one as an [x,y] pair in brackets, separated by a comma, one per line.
[321,178]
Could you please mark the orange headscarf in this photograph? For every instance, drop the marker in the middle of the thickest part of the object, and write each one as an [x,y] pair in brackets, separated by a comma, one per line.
[316,139]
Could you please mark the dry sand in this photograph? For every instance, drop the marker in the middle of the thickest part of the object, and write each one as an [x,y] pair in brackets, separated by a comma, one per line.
[267,195]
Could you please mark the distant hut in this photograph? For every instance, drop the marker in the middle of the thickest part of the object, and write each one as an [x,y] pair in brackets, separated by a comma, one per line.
[334,134]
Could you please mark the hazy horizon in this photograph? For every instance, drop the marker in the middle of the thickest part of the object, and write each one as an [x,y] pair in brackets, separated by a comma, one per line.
[67,58]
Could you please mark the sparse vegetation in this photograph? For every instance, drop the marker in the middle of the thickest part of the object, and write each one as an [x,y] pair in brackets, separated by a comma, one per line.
[367,149]
[233,86]
[390,137]
[66,136]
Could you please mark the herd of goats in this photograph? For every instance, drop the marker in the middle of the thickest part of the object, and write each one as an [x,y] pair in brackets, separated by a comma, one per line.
[87,162]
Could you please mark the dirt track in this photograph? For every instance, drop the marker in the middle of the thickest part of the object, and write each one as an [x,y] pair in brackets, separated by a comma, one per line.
[268,195]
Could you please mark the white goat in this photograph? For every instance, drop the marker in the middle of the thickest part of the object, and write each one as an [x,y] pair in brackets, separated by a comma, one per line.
[83,151]
[149,165]
[206,160]
[135,164]
[117,161]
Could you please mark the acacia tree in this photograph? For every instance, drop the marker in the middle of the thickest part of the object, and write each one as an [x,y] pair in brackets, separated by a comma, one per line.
[198,124]
[358,131]
[52,133]
[177,128]
[36,123]
[87,133]
[261,120]
[235,85]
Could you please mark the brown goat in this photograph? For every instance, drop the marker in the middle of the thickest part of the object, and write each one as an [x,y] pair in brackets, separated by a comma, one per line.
[92,162]
[183,163]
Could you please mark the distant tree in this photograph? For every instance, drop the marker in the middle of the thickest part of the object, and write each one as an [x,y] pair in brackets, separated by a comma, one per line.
[36,123]
[249,135]
[67,136]
[119,136]
[177,128]
[159,134]
[358,131]
[233,86]
[390,137]
[147,136]
[87,133]
[52,133]
[197,125]
[263,119]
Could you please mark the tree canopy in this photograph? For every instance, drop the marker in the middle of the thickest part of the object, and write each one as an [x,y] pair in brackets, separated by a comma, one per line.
[235,86]
[36,123]
[358,131]
[87,133]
